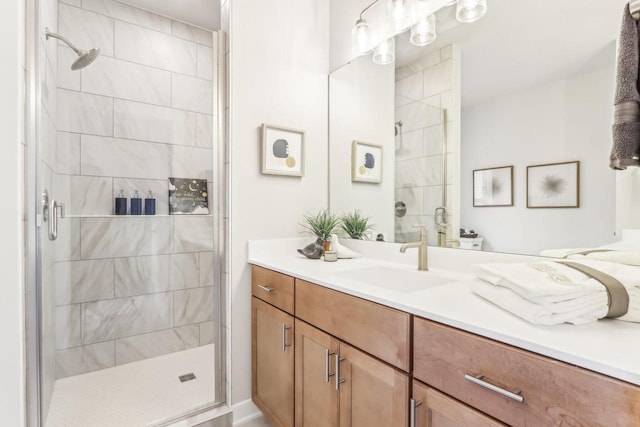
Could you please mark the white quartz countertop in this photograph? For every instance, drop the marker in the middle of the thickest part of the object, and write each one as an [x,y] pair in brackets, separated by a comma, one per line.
[610,347]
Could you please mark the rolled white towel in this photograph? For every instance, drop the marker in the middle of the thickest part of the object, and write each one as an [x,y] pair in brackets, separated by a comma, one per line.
[550,293]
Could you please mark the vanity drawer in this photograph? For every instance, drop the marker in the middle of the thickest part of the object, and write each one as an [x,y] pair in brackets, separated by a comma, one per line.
[381,331]
[554,392]
[273,287]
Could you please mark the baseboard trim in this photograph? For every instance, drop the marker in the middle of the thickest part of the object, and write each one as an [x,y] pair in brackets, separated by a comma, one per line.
[245,411]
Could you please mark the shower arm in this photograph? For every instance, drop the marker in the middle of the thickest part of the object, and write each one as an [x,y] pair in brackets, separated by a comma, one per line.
[59,37]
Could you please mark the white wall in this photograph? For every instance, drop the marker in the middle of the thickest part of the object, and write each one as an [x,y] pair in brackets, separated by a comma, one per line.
[628,200]
[361,108]
[560,121]
[12,371]
[279,64]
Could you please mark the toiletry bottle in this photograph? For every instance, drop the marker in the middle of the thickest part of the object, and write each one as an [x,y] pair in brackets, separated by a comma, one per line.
[150,204]
[121,203]
[136,204]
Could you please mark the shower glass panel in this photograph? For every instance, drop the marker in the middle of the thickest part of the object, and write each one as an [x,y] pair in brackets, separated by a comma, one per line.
[129,305]
[421,159]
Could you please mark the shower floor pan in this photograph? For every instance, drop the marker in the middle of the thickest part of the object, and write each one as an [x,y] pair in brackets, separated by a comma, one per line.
[136,394]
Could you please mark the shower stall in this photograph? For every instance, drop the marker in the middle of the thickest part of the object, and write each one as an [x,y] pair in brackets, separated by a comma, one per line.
[124,312]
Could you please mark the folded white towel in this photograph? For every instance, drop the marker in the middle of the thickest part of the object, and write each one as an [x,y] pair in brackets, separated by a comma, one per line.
[550,293]
[628,257]
[342,251]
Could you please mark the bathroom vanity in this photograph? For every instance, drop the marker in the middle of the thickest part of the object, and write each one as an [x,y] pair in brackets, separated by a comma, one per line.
[332,345]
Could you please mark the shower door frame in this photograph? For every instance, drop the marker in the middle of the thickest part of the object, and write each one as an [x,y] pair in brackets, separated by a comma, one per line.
[32,246]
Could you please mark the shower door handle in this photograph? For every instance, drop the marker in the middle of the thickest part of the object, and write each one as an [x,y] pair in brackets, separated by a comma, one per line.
[50,210]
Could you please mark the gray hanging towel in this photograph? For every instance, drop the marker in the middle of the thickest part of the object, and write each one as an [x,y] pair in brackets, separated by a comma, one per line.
[626,126]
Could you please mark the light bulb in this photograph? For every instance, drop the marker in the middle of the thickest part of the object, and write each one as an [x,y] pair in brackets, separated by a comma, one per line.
[471,10]
[360,38]
[385,53]
[424,31]
[399,14]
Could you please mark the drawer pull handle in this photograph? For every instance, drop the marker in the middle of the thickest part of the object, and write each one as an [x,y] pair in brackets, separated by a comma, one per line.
[412,413]
[478,379]
[337,374]
[327,374]
[265,288]
[284,337]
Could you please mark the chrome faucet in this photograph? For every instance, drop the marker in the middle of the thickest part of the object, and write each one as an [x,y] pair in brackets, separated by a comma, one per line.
[423,256]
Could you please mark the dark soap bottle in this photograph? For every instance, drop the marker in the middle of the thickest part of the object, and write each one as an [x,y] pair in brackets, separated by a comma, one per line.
[121,203]
[136,204]
[150,204]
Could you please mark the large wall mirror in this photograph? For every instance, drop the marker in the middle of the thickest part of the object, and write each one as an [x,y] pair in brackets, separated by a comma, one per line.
[464,121]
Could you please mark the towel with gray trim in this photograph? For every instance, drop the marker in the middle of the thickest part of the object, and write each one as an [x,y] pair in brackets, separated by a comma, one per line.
[626,126]
[550,293]
[609,255]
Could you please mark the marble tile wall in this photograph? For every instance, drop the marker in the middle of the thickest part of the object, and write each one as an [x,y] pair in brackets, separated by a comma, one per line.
[129,288]
[423,89]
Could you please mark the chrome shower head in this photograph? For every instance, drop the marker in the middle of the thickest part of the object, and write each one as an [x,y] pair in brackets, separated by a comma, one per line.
[84,57]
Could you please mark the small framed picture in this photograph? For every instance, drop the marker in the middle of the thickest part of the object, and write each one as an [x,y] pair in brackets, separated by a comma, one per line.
[366,162]
[556,185]
[282,151]
[493,187]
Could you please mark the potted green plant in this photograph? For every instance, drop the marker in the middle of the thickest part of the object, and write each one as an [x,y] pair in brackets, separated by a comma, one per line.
[321,225]
[355,225]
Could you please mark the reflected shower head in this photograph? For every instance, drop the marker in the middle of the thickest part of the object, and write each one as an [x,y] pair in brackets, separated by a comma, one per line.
[85,57]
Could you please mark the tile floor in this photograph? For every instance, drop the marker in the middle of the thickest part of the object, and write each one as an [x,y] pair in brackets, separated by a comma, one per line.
[258,422]
[136,394]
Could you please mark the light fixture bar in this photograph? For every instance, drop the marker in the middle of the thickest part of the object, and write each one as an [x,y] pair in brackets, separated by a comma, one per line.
[368,7]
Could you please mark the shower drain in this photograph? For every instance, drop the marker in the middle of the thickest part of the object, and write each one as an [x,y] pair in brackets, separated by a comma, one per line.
[187,377]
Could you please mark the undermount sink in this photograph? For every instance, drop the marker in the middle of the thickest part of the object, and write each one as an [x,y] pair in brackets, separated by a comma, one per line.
[397,279]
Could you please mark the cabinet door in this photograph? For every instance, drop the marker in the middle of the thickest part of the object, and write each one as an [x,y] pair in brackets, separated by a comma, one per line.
[372,393]
[316,394]
[435,409]
[272,354]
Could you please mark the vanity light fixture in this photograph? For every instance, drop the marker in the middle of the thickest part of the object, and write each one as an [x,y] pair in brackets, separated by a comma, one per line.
[469,11]
[419,15]
[360,38]
[399,14]
[424,31]
[360,34]
[385,53]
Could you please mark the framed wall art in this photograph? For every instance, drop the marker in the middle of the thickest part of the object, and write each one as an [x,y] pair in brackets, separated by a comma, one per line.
[366,162]
[555,185]
[282,151]
[493,187]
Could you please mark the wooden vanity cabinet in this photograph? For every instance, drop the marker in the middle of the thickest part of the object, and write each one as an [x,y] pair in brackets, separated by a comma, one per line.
[435,409]
[306,337]
[478,371]
[316,401]
[338,385]
[272,346]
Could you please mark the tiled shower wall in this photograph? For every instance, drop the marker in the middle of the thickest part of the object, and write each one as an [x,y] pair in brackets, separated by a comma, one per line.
[130,288]
[423,89]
